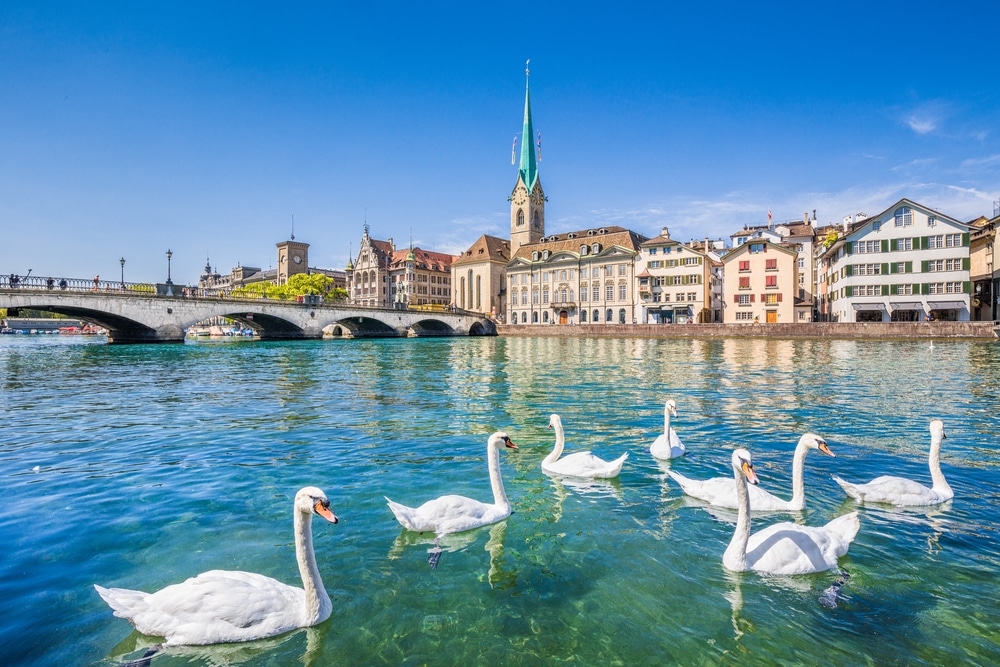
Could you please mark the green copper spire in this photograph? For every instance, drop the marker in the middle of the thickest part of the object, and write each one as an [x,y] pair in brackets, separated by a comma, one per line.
[528,169]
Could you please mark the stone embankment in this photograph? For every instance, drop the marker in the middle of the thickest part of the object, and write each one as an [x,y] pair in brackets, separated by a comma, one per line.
[805,330]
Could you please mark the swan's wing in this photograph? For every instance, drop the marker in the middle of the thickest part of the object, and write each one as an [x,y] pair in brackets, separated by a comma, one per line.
[449,514]
[788,548]
[214,607]
[717,491]
[667,448]
[585,464]
[892,490]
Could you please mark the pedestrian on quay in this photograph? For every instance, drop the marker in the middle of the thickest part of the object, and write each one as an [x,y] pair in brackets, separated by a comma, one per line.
[14,280]
[97,279]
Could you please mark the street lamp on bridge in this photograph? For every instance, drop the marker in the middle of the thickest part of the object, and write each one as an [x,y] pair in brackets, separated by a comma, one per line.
[170,284]
[122,262]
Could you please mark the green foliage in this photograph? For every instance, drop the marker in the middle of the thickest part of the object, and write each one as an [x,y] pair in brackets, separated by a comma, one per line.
[298,285]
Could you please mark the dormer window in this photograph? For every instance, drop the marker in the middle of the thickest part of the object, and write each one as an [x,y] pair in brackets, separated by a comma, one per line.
[596,248]
[545,254]
[534,256]
[584,249]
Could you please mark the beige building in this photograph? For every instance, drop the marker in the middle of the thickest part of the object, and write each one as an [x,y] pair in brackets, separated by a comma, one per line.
[582,277]
[479,276]
[419,277]
[760,283]
[674,282]
[368,274]
[984,270]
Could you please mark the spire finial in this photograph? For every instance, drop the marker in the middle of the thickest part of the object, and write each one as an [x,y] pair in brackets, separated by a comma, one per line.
[527,72]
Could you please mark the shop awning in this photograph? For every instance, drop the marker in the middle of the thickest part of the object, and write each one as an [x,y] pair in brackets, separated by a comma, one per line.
[869,306]
[946,305]
[906,306]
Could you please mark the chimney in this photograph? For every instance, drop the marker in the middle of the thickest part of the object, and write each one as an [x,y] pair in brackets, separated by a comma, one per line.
[707,247]
[665,232]
[805,218]
[847,223]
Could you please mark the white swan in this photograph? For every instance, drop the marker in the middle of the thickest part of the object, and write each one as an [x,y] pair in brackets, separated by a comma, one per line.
[454,514]
[901,491]
[783,548]
[221,606]
[579,464]
[721,491]
[667,445]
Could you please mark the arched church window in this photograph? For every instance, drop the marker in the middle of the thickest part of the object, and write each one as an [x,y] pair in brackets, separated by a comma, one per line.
[520,218]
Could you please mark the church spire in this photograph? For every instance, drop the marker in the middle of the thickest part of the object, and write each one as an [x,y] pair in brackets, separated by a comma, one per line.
[527,169]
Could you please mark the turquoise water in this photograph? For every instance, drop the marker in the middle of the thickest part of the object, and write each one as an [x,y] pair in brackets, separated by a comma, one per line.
[139,466]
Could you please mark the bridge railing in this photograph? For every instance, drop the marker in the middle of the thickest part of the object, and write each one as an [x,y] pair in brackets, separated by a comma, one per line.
[117,287]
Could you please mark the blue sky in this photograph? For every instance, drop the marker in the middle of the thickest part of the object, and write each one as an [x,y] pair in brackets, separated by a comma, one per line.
[127,128]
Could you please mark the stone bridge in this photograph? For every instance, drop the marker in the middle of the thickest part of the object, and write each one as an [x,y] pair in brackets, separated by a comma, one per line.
[153,318]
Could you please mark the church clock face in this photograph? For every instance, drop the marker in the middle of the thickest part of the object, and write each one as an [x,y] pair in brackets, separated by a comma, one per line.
[537,198]
[297,259]
[519,197]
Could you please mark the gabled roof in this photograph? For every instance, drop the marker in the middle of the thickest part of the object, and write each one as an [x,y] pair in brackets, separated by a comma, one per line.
[860,225]
[570,242]
[745,248]
[424,259]
[485,249]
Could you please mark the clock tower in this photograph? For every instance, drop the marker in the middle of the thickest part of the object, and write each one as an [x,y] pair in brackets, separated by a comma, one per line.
[527,201]
[293,257]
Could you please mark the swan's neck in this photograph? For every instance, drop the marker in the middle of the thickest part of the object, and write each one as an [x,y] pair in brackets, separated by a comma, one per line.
[318,605]
[934,462]
[798,472]
[560,443]
[666,423]
[499,495]
[735,557]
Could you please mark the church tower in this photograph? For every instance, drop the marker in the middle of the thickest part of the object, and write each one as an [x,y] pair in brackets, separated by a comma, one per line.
[527,201]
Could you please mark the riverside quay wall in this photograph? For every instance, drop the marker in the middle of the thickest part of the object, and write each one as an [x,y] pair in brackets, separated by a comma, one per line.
[984,330]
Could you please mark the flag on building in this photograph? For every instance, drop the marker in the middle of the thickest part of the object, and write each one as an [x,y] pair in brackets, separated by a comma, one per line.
[539,146]
[513,150]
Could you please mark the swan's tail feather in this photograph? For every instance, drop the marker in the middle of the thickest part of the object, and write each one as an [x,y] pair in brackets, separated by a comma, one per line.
[401,512]
[848,488]
[126,603]
[845,528]
[616,465]
[681,480]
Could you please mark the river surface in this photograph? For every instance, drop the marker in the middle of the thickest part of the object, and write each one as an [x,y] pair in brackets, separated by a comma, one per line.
[140,466]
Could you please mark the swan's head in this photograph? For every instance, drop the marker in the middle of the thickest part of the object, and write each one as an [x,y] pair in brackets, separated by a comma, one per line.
[813,441]
[501,438]
[554,421]
[671,407]
[311,500]
[742,462]
[937,429]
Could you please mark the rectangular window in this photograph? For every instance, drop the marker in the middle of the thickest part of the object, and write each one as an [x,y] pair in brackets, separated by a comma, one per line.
[935,288]
[745,265]
[597,292]
[609,292]
[877,226]
[952,265]
[904,290]
[802,262]
[770,299]
[622,292]
[744,299]
[867,247]
[952,240]
[583,293]
[545,296]
[771,265]
[562,275]
[666,297]
[934,242]
[534,296]
[745,282]
[744,315]
[609,271]
[524,298]
[931,221]
[654,264]
[953,288]
[935,265]
[692,296]
[595,272]
[904,244]
[623,269]
[652,251]
[758,247]
[691,261]
[770,281]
